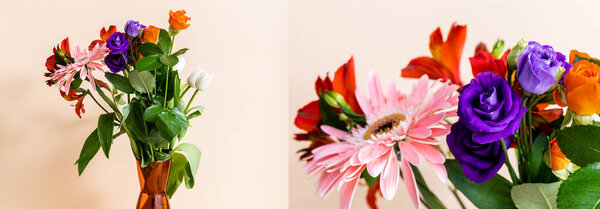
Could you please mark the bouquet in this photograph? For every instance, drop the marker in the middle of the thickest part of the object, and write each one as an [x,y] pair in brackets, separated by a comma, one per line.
[529,99]
[141,95]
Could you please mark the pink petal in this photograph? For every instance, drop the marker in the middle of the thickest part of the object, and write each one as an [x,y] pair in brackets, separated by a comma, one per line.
[365,154]
[334,132]
[420,90]
[347,193]
[377,97]
[393,94]
[428,121]
[410,183]
[409,153]
[363,102]
[428,152]
[327,182]
[427,141]
[435,132]
[440,170]
[376,166]
[420,133]
[388,182]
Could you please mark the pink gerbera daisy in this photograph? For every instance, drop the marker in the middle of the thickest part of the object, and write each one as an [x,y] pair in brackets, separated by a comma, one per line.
[410,122]
[84,63]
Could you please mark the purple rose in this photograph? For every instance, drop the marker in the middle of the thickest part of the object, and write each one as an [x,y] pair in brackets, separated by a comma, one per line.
[117,43]
[116,62]
[540,67]
[133,28]
[490,108]
[479,162]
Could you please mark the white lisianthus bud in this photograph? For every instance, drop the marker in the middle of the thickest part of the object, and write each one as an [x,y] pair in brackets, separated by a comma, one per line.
[179,66]
[200,79]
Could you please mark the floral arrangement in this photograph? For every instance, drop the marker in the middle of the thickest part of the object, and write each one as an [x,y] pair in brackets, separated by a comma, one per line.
[142,94]
[530,99]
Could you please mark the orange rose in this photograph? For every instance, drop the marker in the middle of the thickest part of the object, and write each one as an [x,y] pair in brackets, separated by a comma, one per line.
[151,34]
[582,85]
[558,160]
[178,20]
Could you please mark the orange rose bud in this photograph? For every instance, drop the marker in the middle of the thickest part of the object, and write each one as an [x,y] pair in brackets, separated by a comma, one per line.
[558,161]
[151,34]
[582,85]
[178,20]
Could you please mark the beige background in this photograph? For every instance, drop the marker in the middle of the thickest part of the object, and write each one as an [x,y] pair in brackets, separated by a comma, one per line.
[242,133]
[384,36]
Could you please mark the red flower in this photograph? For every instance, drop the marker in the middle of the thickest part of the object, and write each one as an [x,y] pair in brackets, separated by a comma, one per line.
[316,139]
[372,194]
[445,61]
[73,96]
[344,83]
[104,35]
[484,61]
[308,117]
[61,54]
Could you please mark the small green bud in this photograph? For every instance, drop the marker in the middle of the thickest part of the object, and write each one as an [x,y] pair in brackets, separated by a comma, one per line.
[498,48]
[513,56]
[334,99]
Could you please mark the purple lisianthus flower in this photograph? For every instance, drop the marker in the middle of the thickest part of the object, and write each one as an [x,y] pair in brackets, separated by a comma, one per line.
[133,28]
[490,108]
[117,43]
[540,67]
[116,62]
[479,162]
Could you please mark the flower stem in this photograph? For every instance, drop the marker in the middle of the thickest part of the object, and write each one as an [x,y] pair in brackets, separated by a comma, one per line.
[94,98]
[513,175]
[190,102]
[453,190]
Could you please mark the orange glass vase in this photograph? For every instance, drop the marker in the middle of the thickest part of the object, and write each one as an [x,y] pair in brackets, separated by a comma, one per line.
[153,184]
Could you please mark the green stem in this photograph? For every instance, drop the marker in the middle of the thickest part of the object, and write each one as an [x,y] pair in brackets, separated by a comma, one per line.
[455,193]
[185,91]
[98,103]
[190,102]
[111,104]
[513,175]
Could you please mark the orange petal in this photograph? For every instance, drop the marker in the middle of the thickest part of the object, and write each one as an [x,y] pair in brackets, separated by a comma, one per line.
[344,83]
[584,99]
[551,114]
[435,43]
[426,66]
[558,160]
[372,195]
[452,49]
[308,117]
[559,97]
[577,53]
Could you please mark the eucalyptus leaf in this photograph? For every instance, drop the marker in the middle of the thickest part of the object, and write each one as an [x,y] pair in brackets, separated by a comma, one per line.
[164,41]
[105,130]
[148,63]
[119,82]
[171,123]
[581,189]
[142,81]
[151,113]
[180,52]
[149,49]
[88,151]
[495,193]
[581,144]
[535,196]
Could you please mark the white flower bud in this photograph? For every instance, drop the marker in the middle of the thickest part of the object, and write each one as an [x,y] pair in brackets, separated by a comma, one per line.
[179,66]
[200,79]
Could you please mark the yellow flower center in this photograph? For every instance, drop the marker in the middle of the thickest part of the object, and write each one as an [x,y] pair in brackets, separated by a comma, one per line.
[384,125]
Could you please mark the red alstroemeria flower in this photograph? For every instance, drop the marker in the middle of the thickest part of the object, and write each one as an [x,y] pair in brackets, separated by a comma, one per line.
[344,83]
[484,61]
[444,62]
[51,61]
[73,96]
[316,139]
[104,35]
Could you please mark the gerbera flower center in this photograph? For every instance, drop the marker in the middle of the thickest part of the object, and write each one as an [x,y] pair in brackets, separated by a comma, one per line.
[384,125]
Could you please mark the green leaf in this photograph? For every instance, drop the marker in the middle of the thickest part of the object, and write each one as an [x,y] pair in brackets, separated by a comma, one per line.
[495,193]
[368,178]
[152,112]
[581,144]
[199,110]
[581,189]
[180,52]
[168,60]
[538,170]
[535,196]
[135,121]
[171,123]
[164,41]
[430,199]
[120,100]
[119,82]
[148,63]
[89,150]
[591,60]
[142,81]
[157,140]
[105,131]
[498,48]
[148,49]
[329,116]
[184,165]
